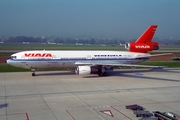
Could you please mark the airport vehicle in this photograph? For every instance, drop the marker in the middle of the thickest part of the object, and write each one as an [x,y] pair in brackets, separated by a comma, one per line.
[165,116]
[87,62]
[176,58]
[135,107]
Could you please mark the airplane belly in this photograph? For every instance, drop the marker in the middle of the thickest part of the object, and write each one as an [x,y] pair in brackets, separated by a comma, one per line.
[44,65]
[37,64]
[52,64]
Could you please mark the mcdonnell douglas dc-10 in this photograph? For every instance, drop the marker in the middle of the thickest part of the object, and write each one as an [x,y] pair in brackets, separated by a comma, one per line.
[87,62]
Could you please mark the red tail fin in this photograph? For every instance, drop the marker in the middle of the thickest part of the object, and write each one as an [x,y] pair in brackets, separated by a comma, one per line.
[143,43]
[147,35]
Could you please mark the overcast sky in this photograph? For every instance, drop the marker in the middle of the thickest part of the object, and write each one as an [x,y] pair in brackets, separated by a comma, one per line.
[89,18]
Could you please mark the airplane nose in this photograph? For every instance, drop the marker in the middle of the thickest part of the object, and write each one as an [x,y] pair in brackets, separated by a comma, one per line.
[7,61]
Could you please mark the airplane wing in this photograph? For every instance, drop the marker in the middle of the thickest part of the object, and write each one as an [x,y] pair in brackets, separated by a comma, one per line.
[150,55]
[122,64]
[115,64]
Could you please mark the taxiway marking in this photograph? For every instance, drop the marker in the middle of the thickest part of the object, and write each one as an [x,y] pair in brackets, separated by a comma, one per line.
[70,115]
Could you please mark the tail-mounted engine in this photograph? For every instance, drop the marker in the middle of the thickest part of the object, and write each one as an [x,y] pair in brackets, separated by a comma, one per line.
[144,42]
[142,47]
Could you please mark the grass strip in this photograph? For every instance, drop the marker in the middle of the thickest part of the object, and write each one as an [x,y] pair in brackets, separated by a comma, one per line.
[169,64]
[8,68]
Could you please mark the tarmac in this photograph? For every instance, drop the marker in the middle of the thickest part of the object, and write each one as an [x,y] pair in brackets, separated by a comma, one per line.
[55,95]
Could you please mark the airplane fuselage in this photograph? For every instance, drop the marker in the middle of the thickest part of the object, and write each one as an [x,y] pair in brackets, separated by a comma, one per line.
[66,59]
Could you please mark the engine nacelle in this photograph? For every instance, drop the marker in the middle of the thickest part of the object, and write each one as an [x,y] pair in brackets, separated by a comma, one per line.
[83,70]
[142,47]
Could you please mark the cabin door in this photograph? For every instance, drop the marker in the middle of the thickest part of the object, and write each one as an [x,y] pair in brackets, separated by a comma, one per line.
[88,57]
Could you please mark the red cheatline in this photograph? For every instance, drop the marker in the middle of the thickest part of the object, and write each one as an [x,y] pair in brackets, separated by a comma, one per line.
[121,113]
[70,115]
[27,116]
[107,112]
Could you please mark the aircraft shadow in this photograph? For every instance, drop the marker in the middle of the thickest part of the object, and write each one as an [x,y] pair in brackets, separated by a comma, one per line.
[55,73]
[150,78]
[117,73]
[135,73]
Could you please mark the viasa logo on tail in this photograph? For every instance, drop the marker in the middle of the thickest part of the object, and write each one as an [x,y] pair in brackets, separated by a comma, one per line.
[142,46]
[38,55]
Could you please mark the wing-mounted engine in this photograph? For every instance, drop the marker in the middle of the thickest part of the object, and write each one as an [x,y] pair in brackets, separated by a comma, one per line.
[83,70]
[142,47]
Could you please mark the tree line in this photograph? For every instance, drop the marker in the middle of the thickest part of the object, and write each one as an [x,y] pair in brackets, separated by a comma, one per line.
[60,40]
[25,39]
[21,39]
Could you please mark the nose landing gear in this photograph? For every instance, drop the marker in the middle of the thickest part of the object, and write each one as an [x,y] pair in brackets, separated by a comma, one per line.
[33,72]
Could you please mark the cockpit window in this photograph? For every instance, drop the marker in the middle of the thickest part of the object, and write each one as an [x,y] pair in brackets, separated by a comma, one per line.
[13,57]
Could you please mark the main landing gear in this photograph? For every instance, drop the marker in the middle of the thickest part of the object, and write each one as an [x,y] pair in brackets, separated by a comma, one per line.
[33,72]
[101,72]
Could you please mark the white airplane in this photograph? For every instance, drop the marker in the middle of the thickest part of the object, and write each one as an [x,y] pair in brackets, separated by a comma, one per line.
[86,62]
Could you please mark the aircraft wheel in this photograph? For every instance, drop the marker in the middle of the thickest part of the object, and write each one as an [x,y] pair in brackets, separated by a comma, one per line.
[100,74]
[105,74]
[33,74]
